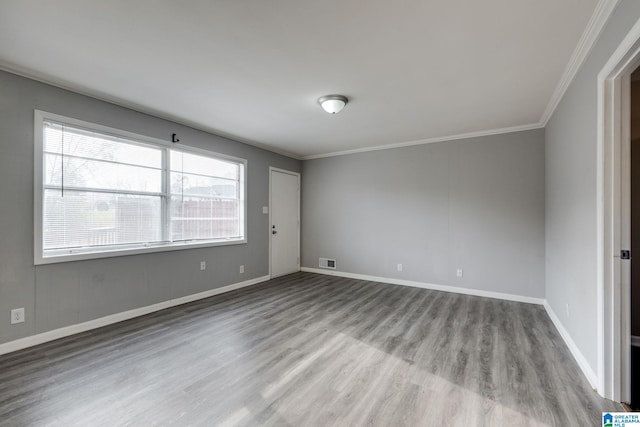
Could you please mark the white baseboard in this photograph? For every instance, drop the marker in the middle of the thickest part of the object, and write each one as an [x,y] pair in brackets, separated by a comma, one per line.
[130,314]
[573,348]
[55,334]
[445,288]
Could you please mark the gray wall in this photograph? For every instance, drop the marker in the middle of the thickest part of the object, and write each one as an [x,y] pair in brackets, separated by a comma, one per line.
[64,294]
[570,215]
[635,206]
[635,234]
[475,204]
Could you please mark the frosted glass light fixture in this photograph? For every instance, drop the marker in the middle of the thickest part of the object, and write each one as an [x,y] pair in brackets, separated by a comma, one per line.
[333,104]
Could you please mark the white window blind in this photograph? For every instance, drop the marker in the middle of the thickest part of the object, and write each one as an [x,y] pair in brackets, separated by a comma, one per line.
[205,197]
[101,194]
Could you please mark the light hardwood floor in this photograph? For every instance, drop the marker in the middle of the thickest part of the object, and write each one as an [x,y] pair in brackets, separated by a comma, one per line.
[308,350]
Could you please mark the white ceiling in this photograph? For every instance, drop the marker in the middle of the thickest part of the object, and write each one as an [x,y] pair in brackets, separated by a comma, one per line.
[253,69]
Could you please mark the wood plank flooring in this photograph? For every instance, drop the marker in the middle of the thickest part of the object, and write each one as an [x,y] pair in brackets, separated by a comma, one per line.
[308,350]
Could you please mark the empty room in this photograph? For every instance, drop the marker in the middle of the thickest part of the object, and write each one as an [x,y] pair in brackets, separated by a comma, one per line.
[336,213]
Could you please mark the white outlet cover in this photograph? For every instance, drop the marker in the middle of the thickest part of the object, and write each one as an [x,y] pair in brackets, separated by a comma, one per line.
[17,315]
[265,209]
[241,269]
[203,265]
[459,272]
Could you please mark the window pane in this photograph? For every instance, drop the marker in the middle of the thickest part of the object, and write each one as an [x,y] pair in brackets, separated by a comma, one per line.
[202,165]
[205,197]
[204,218]
[86,173]
[85,219]
[91,145]
[197,185]
[101,192]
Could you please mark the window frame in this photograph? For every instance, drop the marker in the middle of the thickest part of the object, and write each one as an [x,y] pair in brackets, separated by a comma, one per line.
[40,117]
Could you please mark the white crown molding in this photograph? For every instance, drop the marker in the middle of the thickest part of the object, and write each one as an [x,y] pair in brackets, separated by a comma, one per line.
[428,141]
[66,331]
[430,286]
[101,96]
[596,24]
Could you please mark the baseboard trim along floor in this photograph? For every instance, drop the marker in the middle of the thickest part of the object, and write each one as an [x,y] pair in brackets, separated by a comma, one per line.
[573,348]
[431,286]
[66,331]
[55,334]
[309,350]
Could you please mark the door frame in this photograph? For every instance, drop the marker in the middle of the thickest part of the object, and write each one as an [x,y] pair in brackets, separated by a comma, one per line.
[298,176]
[614,218]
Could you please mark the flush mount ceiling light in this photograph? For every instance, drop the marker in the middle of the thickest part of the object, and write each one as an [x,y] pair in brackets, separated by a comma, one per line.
[333,104]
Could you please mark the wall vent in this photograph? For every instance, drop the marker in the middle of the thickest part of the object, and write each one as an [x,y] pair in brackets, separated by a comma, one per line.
[327,263]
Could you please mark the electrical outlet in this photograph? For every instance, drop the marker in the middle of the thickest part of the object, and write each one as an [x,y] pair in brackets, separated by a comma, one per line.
[459,272]
[242,269]
[203,265]
[17,315]
[568,312]
[399,267]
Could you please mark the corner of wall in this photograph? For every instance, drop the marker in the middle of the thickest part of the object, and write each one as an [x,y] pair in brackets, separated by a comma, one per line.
[573,348]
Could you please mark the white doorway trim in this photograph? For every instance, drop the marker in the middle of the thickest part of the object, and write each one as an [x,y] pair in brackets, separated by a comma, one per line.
[297,174]
[613,218]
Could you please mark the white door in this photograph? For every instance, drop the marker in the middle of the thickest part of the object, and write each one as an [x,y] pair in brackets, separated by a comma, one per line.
[284,206]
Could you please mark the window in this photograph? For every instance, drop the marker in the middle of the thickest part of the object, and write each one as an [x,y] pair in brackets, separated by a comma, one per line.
[102,192]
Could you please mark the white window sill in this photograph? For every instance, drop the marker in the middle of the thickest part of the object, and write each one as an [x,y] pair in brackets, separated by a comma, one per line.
[80,255]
